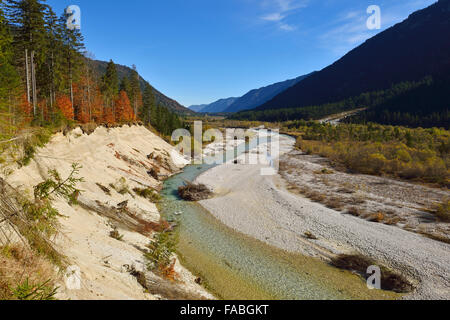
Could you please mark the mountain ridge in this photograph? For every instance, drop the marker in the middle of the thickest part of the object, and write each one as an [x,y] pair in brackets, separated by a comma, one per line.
[250,100]
[218,106]
[163,100]
[390,57]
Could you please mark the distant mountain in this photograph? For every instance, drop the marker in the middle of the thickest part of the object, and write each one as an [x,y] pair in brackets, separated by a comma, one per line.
[251,100]
[257,97]
[215,107]
[198,108]
[409,51]
[122,71]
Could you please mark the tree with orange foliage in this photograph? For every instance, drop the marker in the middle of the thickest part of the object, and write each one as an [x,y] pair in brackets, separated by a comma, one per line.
[26,108]
[82,116]
[97,107]
[124,111]
[81,101]
[65,105]
[108,116]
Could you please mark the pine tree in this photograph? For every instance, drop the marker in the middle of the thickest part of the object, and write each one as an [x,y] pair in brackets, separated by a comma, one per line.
[110,87]
[126,86]
[135,94]
[73,49]
[44,76]
[148,104]
[9,80]
[53,74]
[28,20]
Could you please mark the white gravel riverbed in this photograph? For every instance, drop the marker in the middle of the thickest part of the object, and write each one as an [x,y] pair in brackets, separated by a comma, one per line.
[261,207]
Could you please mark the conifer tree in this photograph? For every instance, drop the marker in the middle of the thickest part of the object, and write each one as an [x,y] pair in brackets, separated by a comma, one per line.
[73,48]
[28,20]
[148,104]
[126,86]
[53,74]
[9,79]
[110,86]
[135,94]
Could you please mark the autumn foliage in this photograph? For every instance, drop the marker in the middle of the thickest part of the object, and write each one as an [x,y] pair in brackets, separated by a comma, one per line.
[65,105]
[108,116]
[124,111]
[81,102]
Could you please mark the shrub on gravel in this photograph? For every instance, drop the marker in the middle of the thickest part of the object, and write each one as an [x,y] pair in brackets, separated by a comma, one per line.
[194,192]
[421,155]
[357,263]
[443,211]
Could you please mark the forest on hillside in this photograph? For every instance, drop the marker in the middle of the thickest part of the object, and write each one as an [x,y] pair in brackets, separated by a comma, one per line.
[401,75]
[47,77]
[424,103]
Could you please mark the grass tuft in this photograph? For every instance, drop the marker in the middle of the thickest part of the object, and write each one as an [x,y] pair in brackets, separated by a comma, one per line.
[116,235]
[148,193]
[121,186]
[25,275]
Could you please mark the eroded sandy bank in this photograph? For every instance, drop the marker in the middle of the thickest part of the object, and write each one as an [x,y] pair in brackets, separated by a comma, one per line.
[109,157]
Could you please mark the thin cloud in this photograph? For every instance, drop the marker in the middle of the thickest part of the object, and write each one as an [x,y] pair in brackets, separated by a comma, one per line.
[280,10]
[273,17]
[349,29]
[286,27]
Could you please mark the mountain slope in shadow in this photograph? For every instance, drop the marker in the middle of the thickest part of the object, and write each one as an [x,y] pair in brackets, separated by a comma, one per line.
[409,51]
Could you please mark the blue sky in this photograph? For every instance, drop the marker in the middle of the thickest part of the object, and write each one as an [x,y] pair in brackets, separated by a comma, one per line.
[198,51]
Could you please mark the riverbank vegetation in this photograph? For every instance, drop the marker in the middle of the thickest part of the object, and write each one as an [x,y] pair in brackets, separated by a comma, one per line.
[416,154]
[160,255]
[421,155]
[442,211]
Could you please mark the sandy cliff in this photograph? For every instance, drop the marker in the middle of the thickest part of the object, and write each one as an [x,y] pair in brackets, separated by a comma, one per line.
[112,160]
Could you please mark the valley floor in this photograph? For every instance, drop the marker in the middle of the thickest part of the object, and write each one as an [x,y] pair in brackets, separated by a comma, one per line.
[262,207]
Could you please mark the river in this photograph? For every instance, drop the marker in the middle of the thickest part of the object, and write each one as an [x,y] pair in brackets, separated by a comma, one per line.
[234,266]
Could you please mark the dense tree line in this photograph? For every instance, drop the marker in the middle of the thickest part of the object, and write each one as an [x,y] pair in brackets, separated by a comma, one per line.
[46,77]
[423,103]
[427,105]
[161,118]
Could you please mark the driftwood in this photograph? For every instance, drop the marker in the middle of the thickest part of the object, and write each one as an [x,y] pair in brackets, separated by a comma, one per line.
[194,192]
[118,214]
[123,217]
